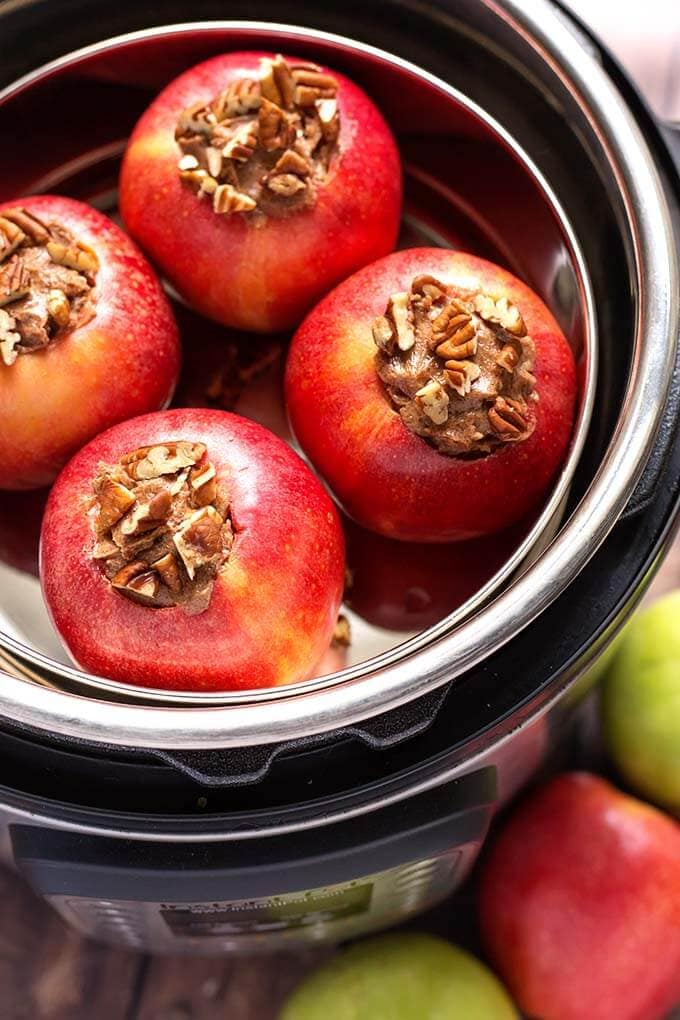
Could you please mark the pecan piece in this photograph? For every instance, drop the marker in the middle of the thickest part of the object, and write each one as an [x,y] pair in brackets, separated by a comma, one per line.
[59,307]
[203,484]
[508,358]
[168,571]
[199,539]
[137,582]
[146,516]
[162,459]
[9,338]
[75,256]
[14,281]
[398,313]
[10,237]
[433,400]
[383,334]
[198,119]
[311,85]
[105,549]
[115,499]
[500,311]
[241,145]
[228,200]
[239,98]
[460,376]
[291,162]
[450,350]
[29,224]
[276,82]
[342,634]
[285,184]
[275,128]
[329,118]
[508,419]
[453,323]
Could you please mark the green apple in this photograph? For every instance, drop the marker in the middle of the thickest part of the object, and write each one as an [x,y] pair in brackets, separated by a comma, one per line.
[401,977]
[641,703]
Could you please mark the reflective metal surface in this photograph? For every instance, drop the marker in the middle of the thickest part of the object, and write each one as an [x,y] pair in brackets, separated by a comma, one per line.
[418,666]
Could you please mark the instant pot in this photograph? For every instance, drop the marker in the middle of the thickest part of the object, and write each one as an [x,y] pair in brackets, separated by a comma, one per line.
[325,810]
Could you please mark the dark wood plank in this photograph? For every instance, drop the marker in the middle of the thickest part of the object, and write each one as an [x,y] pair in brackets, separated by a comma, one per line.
[211,989]
[48,972]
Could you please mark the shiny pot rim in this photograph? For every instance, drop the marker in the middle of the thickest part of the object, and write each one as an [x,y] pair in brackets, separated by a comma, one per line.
[35,665]
[297,714]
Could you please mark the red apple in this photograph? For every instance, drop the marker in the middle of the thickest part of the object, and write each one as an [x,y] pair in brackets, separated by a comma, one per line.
[580,904]
[210,557]
[282,180]
[464,429]
[407,586]
[87,336]
[21,515]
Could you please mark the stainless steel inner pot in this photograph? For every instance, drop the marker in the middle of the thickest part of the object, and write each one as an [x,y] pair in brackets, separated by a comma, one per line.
[557,270]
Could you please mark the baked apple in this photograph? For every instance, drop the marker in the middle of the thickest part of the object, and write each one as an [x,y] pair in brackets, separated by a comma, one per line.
[87,337]
[257,182]
[192,550]
[435,394]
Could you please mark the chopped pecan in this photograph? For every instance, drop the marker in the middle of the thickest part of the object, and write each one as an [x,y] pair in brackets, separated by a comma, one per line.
[285,184]
[203,484]
[167,569]
[147,516]
[15,281]
[31,226]
[329,118]
[276,129]
[199,539]
[10,237]
[398,313]
[276,82]
[508,419]
[59,307]
[162,459]
[137,582]
[241,146]
[162,540]
[228,200]
[508,358]
[433,400]
[460,376]
[76,256]
[261,140]
[452,349]
[115,499]
[501,311]
[9,338]
[342,634]
[291,162]
[453,324]
[239,98]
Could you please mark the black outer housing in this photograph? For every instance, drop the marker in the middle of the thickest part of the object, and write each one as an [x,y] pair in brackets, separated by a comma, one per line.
[77,782]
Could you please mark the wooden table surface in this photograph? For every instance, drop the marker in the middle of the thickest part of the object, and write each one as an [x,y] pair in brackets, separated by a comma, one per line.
[48,972]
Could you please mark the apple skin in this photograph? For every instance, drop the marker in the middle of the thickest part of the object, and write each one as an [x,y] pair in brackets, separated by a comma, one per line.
[21,515]
[407,586]
[580,904]
[385,477]
[275,603]
[123,362]
[260,278]
[401,977]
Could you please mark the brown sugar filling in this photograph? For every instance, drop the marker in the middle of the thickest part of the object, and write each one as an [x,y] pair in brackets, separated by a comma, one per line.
[458,366]
[47,280]
[262,145]
[162,524]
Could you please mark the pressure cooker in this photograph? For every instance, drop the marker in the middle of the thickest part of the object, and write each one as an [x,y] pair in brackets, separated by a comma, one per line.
[260,820]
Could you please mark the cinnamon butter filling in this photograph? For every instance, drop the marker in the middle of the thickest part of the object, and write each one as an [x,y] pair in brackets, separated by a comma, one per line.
[47,280]
[262,145]
[162,524]
[458,366]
